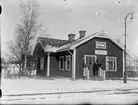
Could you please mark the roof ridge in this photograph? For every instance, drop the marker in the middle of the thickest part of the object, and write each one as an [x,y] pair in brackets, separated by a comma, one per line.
[77,40]
[51,38]
[87,36]
[95,33]
[100,34]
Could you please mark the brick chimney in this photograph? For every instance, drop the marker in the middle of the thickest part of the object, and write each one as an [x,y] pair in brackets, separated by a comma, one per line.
[71,37]
[82,33]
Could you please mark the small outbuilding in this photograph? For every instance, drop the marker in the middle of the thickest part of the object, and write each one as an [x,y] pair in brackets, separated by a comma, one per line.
[66,58]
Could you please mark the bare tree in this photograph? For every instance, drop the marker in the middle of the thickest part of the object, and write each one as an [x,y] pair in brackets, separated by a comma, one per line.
[26,32]
[136,60]
[16,54]
[29,27]
[129,56]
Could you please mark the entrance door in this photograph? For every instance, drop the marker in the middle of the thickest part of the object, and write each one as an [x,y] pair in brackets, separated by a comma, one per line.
[89,60]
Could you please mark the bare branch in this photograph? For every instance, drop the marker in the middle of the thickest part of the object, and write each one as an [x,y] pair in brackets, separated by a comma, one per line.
[26,32]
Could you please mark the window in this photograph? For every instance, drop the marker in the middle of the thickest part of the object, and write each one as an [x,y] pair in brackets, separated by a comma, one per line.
[61,63]
[111,64]
[68,62]
[33,63]
[42,63]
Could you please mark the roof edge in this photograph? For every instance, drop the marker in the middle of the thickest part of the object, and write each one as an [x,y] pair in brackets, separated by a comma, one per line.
[85,40]
[40,44]
[96,35]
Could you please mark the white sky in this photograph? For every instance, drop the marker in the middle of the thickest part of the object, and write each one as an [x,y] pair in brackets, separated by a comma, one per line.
[62,17]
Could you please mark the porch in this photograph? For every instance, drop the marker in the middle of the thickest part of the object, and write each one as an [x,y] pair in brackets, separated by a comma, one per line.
[89,75]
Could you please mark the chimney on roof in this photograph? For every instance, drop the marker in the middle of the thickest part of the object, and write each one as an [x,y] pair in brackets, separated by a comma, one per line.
[71,37]
[82,33]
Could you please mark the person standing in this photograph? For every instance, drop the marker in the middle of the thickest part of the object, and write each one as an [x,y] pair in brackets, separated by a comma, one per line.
[95,68]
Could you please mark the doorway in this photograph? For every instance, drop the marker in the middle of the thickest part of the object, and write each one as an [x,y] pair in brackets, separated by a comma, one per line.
[90,60]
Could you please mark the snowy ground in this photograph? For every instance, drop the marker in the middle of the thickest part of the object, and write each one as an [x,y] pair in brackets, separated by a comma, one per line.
[68,91]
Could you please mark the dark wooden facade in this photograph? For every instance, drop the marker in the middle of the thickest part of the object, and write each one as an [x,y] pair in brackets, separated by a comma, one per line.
[87,48]
[31,62]
[54,65]
[39,52]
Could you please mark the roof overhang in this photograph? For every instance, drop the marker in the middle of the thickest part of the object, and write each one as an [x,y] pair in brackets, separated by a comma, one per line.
[47,48]
[98,36]
[72,46]
[63,50]
[38,42]
[50,48]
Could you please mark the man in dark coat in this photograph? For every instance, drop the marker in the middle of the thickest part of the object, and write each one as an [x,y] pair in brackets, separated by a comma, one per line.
[95,68]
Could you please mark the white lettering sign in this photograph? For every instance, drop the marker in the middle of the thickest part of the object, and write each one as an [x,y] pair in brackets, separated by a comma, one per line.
[101,52]
[101,45]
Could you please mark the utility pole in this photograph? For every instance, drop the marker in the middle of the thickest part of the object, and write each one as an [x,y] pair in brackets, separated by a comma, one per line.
[125,53]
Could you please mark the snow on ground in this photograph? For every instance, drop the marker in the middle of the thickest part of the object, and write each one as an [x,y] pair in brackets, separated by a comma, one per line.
[31,86]
[78,98]
[108,91]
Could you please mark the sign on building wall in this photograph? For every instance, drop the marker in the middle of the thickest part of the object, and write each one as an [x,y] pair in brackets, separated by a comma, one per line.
[101,52]
[101,45]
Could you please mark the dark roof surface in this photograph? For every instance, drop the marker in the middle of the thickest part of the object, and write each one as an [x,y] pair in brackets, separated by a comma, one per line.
[52,41]
[68,45]
[58,45]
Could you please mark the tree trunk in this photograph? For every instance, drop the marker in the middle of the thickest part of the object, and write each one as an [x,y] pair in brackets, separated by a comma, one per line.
[25,63]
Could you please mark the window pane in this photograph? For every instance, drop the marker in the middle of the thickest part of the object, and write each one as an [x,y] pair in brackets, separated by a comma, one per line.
[87,60]
[42,63]
[110,63]
[61,63]
[68,62]
[114,64]
[113,60]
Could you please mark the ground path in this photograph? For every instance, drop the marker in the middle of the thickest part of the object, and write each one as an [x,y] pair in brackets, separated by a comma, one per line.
[68,91]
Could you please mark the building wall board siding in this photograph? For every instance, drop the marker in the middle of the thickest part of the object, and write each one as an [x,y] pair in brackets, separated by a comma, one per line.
[89,48]
[54,65]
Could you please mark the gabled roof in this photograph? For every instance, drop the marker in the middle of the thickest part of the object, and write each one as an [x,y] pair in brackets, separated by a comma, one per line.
[78,42]
[58,45]
[50,44]
[52,41]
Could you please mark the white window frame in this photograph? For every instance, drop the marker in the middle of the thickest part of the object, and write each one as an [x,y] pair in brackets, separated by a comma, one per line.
[115,63]
[68,56]
[60,63]
[102,43]
[89,56]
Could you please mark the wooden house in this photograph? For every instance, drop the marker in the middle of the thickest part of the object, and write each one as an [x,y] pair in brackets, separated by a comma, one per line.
[65,58]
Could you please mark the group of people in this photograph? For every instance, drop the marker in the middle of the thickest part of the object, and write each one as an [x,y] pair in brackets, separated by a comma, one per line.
[93,69]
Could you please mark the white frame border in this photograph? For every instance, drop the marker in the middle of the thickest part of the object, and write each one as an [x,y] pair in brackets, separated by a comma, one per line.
[60,62]
[115,63]
[66,62]
[100,42]
[89,56]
